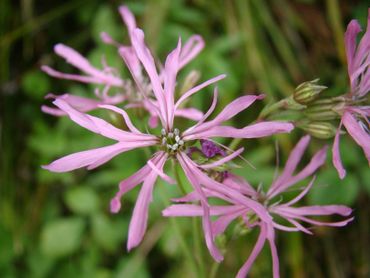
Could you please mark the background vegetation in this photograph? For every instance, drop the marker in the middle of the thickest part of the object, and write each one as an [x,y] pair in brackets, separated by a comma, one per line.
[59,225]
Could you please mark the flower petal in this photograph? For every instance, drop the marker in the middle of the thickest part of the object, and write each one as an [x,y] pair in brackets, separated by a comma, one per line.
[350,35]
[128,17]
[243,271]
[76,59]
[139,217]
[160,172]
[171,68]
[191,49]
[100,126]
[132,181]
[213,185]
[317,161]
[81,104]
[361,137]
[206,221]
[258,130]
[198,88]
[337,161]
[292,162]
[317,210]
[125,116]
[189,113]
[146,58]
[220,225]
[86,158]
[80,78]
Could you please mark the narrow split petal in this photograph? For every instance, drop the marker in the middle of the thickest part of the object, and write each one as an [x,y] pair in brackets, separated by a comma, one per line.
[255,252]
[139,217]
[191,49]
[361,137]
[198,88]
[337,161]
[132,181]
[85,158]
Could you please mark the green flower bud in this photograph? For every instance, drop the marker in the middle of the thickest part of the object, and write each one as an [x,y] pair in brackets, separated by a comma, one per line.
[190,81]
[308,91]
[325,109]
[321,130]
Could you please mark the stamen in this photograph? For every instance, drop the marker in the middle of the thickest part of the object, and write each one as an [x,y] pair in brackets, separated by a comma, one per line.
[171,140]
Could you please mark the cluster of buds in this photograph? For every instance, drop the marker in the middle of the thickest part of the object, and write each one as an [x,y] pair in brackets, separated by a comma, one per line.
[318,113]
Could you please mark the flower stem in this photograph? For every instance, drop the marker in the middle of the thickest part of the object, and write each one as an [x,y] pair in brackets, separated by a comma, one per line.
[270,109]
[181,237]
[196,230]
[178,178]
[198,247]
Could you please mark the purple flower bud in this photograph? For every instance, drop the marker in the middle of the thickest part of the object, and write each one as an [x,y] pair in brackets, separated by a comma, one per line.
[210,149]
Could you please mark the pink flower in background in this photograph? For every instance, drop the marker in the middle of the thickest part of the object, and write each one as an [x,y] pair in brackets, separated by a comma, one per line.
[171,142]
[109,77]
[261,204]
[355,117]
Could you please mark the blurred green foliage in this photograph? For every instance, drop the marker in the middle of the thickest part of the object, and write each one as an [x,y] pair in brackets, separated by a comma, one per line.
[59,225]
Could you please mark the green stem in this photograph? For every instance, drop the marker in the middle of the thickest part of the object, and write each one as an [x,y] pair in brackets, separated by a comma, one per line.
[214,269]
[270,109]
[178,178]
[181,237]
[198,247]
[195,227]
[335,21]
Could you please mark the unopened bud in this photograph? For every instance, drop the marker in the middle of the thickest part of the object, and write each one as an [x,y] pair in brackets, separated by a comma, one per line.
[325,109]
[190,80]
[308,91]
[321,130]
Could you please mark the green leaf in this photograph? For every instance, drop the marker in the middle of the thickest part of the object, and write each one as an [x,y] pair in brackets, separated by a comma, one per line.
[132,266]
[35,84]
[40,265]
[366,179]
[107,233]
[6,247]
[329,189]
[62,237]
[82,200]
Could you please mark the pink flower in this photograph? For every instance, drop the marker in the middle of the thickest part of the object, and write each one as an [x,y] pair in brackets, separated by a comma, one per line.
[263,206]
[109,77]
[171,142]
[354,116]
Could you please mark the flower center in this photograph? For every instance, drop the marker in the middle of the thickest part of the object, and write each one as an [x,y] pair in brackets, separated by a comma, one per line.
[171,141]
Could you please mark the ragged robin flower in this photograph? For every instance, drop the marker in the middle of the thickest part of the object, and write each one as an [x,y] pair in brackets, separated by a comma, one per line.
[275,208]
[110,78]
[355,114]
[170,142]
